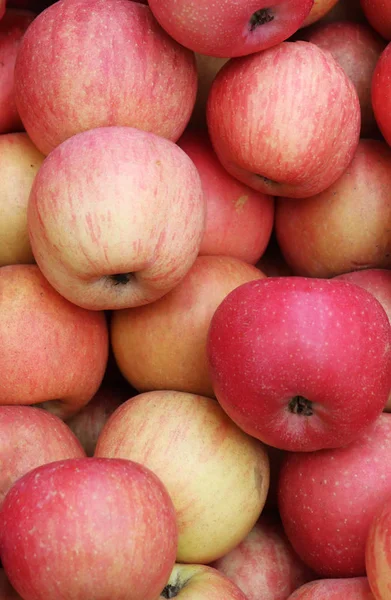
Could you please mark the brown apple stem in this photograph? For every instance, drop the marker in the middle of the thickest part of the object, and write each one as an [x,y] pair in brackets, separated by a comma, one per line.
[301,406]
[260,17]
[121,278]
[170,591]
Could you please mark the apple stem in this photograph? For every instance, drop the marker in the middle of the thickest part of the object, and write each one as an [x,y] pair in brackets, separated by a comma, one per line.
[301,406]
[260,17]
[121,278]
[170,591]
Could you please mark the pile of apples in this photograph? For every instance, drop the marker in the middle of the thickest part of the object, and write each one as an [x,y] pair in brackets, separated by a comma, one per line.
[195,300]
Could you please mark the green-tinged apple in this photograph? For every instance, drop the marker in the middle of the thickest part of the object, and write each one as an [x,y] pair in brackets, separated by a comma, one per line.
[93,63]
[378,552]
[301,364]
[216,475]
[346,227]
[381,93]
[162,345]
[328,499]
[54,353]
[88,528]
[116,217]
[349,588]
[30,437]
[264,565]
[239,220]
[200,582]
[19,164]
[292,125]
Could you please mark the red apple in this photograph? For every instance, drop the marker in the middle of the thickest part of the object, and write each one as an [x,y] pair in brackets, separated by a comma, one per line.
[381,93]
[116,216]
[347,226]
[378,14]
[301,364]
[53,352]
[239,220]
[356,47]
[200,582]
[292,125]
[264,565]
[162,345]
[328,499]
[216,475]
[377,552]
[351,588]
[88,528]
[91,63]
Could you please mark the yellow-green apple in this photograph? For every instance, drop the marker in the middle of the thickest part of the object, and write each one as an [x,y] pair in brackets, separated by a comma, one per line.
[328,499]
[88,528]
[162,345]
[377,552]
[378,282]
[231,27]
[301,364]
[378,15]
[30,437]
[292,125]
[349,588]
[319,9]
[92,63]
[200,582]
[116,217]
[207,69]
[239,220]
[54,352]
[19,164]
[7,592]
[347,226]
[220,494]
[13,25]
[381,93]
[264,565]
[356,47]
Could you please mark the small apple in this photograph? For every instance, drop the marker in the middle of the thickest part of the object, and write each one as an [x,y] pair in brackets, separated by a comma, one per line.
[350,588]
[377,552]
[200,582]
[381,93]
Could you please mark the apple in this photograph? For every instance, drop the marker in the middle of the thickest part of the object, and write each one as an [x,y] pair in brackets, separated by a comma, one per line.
[345,227]
[88,528]
[30,437]
[301,364]
[92,63]
[207,69]
[378,14]
[230,27]
[127,220]
[356,47]
[13,24]
[162,345]
[19,164]
[377,552]
[239,220]
[263,565]
[378,283]
[216,475]
[198,582]
[292,125]
[328,499]
[319,9]
[381,93]
[351,588]
[53,352]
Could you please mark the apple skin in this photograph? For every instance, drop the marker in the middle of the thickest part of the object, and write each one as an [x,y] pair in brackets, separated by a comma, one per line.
[356,47]
[351,588]
[198,582]
[301,364]
[381,93]
[378,15]
[109,521]
[295,143]
[378,283]
[162,345]
[54,353]
[230,27]
[377,553]
[328,499]
[19,164]
[92,63]
[116,217]
[239,220]
[346,227]
[264,564]
[13,24]
[165,430]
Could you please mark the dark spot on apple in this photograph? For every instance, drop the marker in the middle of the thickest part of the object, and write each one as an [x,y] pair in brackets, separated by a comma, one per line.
[121,278]
[267,180]
[260,17]
[170,591]
[301,406]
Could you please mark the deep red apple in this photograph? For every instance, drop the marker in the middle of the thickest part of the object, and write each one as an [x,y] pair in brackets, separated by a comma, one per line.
[381,93]
[299,363]
[350,588]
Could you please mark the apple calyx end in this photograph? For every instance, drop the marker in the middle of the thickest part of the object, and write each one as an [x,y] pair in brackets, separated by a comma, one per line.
[260,17]
[170,591]
[120,278]
[301,406]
